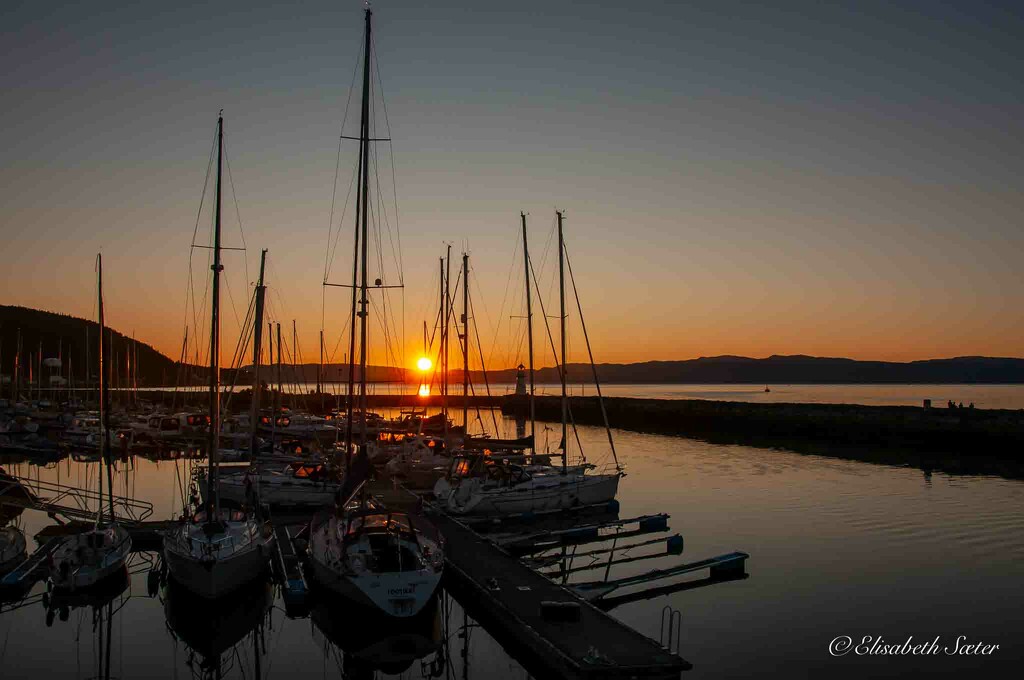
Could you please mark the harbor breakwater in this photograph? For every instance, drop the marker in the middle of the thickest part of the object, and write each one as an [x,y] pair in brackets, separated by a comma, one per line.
[959,440]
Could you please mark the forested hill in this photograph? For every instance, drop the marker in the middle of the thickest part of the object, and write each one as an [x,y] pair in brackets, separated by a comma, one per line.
[66,336]
[798,369]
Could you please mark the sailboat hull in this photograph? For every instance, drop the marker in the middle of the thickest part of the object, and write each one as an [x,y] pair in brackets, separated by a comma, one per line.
[387,588]
[556,492]
[280,491]
[212,574]
[398,594]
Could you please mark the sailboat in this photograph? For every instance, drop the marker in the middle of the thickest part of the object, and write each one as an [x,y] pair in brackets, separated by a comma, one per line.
[390,561]
[296,484]
[215,551]
[478,484]
[85,559]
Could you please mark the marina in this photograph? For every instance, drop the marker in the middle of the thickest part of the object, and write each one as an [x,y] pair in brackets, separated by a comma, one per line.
[543,341]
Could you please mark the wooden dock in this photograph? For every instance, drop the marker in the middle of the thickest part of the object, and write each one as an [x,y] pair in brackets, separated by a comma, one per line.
[553,631]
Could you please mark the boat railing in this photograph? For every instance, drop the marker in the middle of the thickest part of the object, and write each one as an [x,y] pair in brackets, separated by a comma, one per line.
[213,547]
[76,502]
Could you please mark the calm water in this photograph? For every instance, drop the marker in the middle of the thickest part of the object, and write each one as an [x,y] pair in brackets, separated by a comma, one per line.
[983,396]
[837,548]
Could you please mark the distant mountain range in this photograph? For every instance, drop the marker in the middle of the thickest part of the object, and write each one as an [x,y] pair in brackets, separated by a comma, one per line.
[800,369]
[67,335]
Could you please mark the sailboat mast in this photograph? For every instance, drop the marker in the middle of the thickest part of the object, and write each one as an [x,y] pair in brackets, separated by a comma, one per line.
[440,351]
[273,394]
[561,317]
[444,334]
[214,435]
[350,357]
[104,407]
[16,370]
[135,368]
[529,334]
[257,356]
[280,382]
[364,142]
[87,364]
[465,343]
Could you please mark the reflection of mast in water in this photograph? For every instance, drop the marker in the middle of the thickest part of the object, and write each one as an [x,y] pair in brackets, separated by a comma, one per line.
[104,602]
[362,641]
[213,630]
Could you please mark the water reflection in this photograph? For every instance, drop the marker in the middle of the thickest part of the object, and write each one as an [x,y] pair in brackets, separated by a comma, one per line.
[362,642]
[212,629]
[837,547]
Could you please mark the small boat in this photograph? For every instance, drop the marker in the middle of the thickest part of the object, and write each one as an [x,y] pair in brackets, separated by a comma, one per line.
[766,389]
[297,484]
[420,460]
[85,559]
[173,428]
[481,484]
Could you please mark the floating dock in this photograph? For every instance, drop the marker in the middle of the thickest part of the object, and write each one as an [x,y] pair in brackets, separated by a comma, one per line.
[553,630]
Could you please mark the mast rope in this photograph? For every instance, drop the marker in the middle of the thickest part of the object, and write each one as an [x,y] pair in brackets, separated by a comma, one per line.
[593,366]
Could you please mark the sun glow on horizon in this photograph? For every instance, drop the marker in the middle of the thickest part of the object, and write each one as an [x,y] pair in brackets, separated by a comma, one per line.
[424,364]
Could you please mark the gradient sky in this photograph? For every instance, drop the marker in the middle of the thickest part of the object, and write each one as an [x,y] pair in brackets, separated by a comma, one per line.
[737,178]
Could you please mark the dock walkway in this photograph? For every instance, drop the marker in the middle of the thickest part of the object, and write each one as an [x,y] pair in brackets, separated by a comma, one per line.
[548,624]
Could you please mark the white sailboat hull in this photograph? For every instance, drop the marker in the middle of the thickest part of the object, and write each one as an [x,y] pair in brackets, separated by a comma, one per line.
[542,494]
[280,491]
[399,594]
